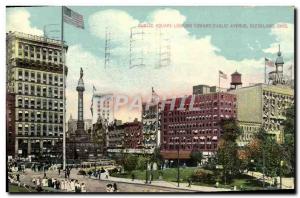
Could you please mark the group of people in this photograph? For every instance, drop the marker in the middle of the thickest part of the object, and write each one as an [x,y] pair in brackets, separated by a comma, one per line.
[112,188]
[63,185]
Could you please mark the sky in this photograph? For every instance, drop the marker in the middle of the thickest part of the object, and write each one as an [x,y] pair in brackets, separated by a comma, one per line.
[238,39]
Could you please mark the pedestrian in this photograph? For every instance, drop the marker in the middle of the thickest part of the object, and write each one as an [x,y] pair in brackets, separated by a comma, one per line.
[115,188]
[189,182]
[72,185]
[132,176]
[18,177]
[83,187]
[58,171]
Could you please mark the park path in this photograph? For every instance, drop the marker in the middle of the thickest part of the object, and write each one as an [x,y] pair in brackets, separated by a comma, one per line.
[287,183]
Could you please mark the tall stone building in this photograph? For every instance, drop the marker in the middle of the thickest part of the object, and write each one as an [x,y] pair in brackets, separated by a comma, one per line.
[264,105]
[35,89]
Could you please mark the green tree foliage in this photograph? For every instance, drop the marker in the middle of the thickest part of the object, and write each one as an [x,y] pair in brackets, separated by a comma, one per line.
[196,157]
[266,153]
[227,152]
[156,157]
[130,162]
[141,163]
[289,140]
[230,129]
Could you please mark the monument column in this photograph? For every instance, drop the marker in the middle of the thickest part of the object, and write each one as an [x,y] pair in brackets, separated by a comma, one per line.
[80,89]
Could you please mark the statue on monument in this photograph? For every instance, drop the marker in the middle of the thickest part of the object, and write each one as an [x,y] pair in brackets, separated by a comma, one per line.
[81,72]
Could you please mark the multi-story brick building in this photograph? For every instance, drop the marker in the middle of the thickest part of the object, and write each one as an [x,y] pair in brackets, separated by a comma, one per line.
[116,135]
[194,129]
[133,135]
[35,77]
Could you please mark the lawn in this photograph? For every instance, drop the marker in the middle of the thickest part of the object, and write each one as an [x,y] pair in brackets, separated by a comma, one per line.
[245,181]
[167,174]
[21,189]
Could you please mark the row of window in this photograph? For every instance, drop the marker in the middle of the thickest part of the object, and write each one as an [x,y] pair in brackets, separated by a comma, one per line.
[37,116]
[39,130]
[190,147]
[35,52]
[39,103]
[38,90]
[38,77]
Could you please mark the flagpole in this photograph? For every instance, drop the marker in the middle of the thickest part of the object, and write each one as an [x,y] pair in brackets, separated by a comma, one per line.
[64,84]
[219,82]
[265,72]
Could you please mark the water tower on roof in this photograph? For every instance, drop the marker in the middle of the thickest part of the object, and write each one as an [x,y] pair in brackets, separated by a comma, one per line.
[236,80]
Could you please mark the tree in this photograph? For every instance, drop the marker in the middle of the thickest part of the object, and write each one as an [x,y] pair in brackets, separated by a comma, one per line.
[156,157]
[289,140]
[130,162]
[227,152]
[266,153]
[196,157]
[230,129]
[141,163]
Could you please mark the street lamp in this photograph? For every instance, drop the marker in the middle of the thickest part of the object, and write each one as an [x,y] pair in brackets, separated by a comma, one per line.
[252,166]
[280,173]
[178,164]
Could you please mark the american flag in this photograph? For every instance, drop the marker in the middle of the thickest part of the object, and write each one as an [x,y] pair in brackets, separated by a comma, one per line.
[73,18]
[222,75]
[92,102]
[269,62]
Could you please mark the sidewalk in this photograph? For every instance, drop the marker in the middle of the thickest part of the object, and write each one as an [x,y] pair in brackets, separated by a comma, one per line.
[287,183]
[183,186]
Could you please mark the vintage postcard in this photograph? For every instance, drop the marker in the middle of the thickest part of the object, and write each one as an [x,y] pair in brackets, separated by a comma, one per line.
[150,99]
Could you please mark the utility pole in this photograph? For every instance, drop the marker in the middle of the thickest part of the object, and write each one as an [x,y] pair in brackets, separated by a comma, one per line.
[263,152]
[178,163]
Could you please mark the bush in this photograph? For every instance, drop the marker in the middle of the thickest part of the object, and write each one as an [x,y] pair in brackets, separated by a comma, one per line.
[113,171]
[81,172]
[202,175]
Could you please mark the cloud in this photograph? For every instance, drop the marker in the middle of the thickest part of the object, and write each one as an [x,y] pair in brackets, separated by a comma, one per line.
[284,35]
[193,60]
[18,19]
[118,23]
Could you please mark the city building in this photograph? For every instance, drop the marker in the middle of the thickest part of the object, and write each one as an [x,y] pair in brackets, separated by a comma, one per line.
[10,124]
[72,125]
[263,105]
[80,146]
[116,135]
[103,105]
[133,135]
[35,78]
[151,124]
[192,124]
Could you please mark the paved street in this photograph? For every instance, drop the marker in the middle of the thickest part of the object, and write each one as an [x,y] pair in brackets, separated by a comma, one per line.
[124,185]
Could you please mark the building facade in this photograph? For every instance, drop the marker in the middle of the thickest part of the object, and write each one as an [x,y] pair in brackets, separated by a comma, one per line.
[192,124]
[35,77]
[116,135]
[10,124]
[103,106]
[262,105]
[133,135]
[151,126]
